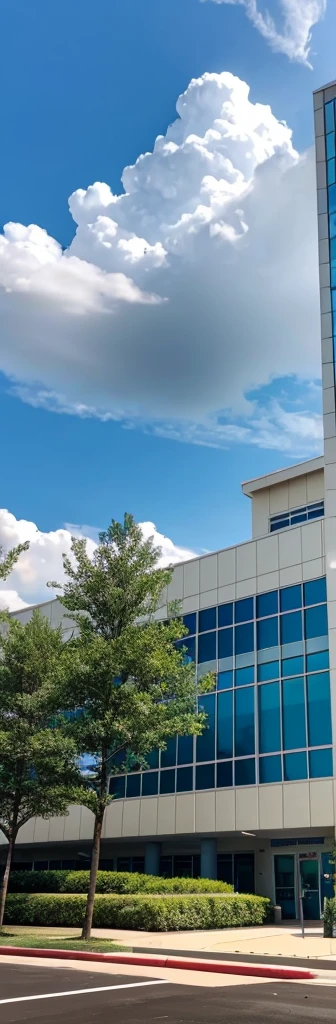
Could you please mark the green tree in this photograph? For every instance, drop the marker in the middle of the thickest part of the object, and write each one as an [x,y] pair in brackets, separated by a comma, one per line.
[8,562]
[135,686]
[39,772]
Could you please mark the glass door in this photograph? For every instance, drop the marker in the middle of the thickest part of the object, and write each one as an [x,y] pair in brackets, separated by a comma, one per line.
[309,878]
[285,885]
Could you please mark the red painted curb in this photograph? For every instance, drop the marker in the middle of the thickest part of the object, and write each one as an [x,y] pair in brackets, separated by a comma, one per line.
[212,967]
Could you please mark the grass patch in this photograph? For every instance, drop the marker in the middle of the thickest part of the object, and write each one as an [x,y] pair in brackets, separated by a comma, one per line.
[34,940]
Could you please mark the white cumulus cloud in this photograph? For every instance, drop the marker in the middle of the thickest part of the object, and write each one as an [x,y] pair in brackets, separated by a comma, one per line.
[178,300]
[297,19]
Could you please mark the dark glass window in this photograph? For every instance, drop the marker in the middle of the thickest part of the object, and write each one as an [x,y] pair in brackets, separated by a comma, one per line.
[332,199]
[330,145]
[167,781]
[150,782]
[270,769]
[205,776]
[189,621]
[244,610]
[329,117]
[152,759]
[168,756]
[293,714]
[244,676]
[224,774]
[292,666]
[224,680]
[189,642]
[269,671]
[267,604]
[207,619]
[205,744]
[316,621]
[225,868]
[331,172]
[320,764]
[244,721]
[185,749]
[225,724]
[332,218]
[133,785]
[319,710]
[269,718]
[279,524]
[295,766]
[291,628]
[267,633]
[225,615]
[184,780]
[244,638]
[207,647]
[117,786]
[290,598]
[225,643]
[315,592]
[318,661]
[245,772]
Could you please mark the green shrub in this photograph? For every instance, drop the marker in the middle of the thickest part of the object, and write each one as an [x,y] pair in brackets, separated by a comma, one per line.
[329,918]
[141,913]
[110,882]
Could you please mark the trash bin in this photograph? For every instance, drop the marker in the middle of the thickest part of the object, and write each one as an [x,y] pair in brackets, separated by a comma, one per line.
[277,915]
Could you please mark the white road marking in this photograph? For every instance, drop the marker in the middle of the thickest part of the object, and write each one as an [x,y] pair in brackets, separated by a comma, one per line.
[81,991]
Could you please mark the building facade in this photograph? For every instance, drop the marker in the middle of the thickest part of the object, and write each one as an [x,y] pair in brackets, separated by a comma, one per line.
[253,800]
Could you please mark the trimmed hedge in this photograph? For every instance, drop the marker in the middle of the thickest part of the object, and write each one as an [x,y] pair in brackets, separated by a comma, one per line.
[329,918]
[110,882]
[141,913]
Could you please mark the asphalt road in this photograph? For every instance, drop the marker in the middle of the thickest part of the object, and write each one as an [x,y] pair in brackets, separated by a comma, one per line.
[139,1003]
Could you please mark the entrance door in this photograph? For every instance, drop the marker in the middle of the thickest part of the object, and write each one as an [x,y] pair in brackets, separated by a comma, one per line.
[309,876]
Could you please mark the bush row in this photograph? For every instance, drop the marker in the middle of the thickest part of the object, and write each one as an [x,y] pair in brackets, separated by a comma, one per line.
[329,918]
[110,882]
[142,913]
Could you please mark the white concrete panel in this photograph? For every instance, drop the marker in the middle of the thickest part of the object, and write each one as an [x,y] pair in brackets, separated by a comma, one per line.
[297,492]
[326,350]
[331,586]
[246,561]
[278,498]
[41,830]
[330,503]
[319,122]
[208,573]
[329,399]
[161,613]
[320,153]
[329,425]
[330,538]
[321,174]
[113,820]
[131,818]
[270,807]
[322,226]
[296,805]
[175,589]
[148,816]
[190,604]
[56,829]
[87,824]
[25,834]
[72,823]
[313,570]
[260,512]
[325,299]
[191,578]
[321,802]
[329,94]
[328,375]
[185,813]
[269,581]
[226,567]
[293,574]
[205,816]
[208,599]
[322,194]
[290,548]
[246,588]
[267,554]
[318,99]
[225,810]
[247,818]
[326,325]
[332,655]
[332,614]
[330,450]
[166,816]
[311,541]
[330,477]
[226,593]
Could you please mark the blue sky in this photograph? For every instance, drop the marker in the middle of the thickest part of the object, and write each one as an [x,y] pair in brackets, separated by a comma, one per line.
[88,89]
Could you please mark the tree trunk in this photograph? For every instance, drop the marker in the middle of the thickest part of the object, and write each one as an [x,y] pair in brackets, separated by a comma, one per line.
[98,828]
[5,880]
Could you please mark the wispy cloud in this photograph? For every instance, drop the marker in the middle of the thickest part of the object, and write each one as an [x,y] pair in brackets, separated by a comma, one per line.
[297,19]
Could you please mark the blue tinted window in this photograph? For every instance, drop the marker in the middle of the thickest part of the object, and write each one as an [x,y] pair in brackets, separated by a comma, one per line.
[295,766]
[205,744]
[290,598]
[332,226]
[292,666]
[207,647]
[330,145]
[153,759]
[244,676]
[225,615]
[329,117]
[245,772]
[320,763]
[189,621]
[224,680]
[225,643]
[225,724]
[188,642]
[244,638]
[150,783]
[293,714]
[315,592]
[291,628]
[205,776]
[168,756]
[331,172]
[207,619]
[184,780]
[316,621]
[244,721]
[269,718]
[317,662]
[267,633]
[269,671]
[267,604]
[244,610]
[332,246]
[224,774]
[319,710]
[332,198]
[117,786]
[167,781]
[133,785]
[270,769]
[185,749]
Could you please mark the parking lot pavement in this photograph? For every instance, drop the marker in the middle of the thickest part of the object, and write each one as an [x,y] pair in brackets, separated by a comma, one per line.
[50,995]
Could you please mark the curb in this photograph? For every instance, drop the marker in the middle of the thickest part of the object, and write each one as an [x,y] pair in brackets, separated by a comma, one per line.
[246,970]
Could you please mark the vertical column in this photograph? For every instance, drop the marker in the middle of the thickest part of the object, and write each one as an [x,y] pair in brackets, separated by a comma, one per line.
[209,858]
[152,858]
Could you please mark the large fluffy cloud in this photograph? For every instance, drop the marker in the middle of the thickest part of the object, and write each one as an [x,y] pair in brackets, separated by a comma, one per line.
[43,561]
[180,298]
[298,19]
